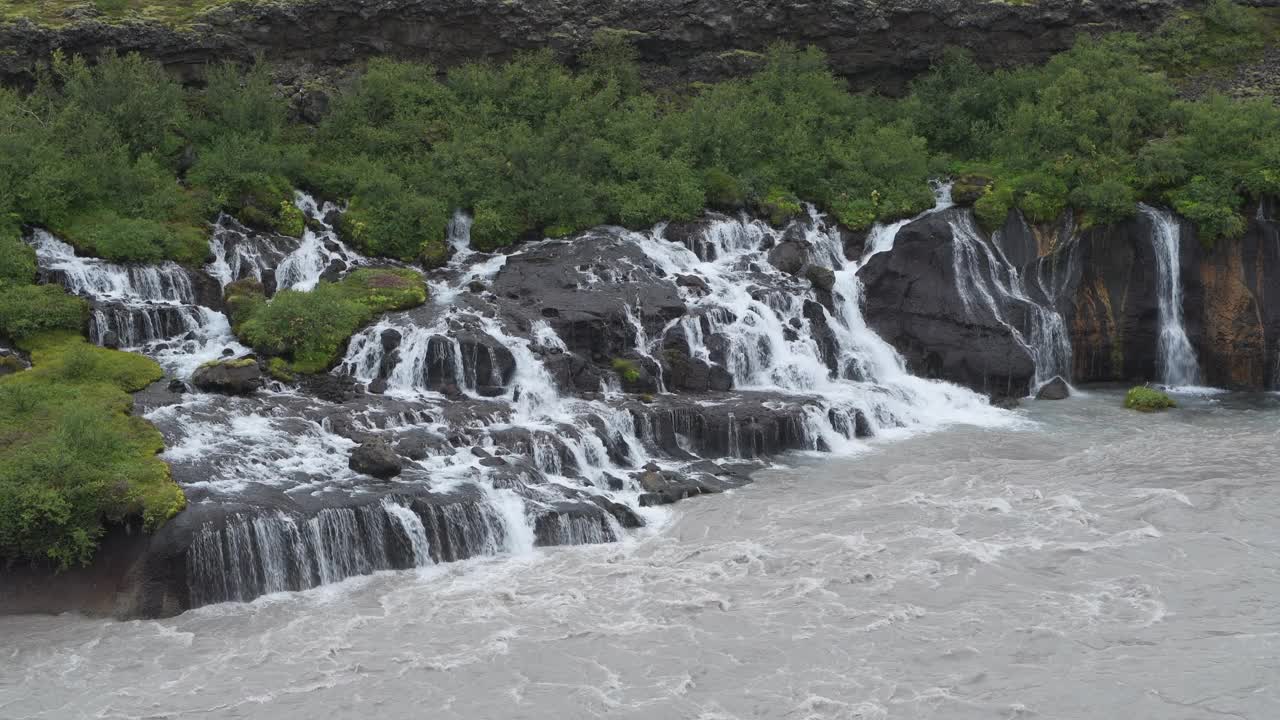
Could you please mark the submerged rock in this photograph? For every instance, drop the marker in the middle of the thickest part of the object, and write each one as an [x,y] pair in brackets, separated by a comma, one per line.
[230,377]
[376,458]
[1055,389]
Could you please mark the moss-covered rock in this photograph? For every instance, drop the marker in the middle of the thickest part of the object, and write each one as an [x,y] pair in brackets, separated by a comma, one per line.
[968,189]
[780,207]
[1147,399]
[308,330]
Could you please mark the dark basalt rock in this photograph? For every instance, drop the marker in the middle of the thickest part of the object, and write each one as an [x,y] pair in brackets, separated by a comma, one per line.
[789,256]
[872,43]
[551,278]
[912,301]
[1055,389]
[331,388]
[231,377]
[822,278]
[376,458]
[572,373]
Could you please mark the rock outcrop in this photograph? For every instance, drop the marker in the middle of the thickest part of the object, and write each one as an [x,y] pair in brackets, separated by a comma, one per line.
[231,377]
[913,302]
[873,43]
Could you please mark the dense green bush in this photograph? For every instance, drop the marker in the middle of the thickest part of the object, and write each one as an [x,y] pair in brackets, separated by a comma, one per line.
[310,329]
[123,162]
[1145,399]
[26,310]
[1099,127]
[71,457]
[17,259]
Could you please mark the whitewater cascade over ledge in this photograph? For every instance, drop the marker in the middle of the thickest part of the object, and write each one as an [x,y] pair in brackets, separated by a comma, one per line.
[559,394]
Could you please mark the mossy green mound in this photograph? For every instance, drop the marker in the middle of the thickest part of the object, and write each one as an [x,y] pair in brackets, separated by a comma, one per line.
[1145,399]
[308,330]
[71,455]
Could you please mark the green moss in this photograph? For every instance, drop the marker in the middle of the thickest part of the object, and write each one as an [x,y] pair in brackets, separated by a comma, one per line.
[17,259]
[238,363]
[290,220]
[278,368]
[308,330]
[1145,399]
[628,370]
[780,206]
[26,310]
[71,455]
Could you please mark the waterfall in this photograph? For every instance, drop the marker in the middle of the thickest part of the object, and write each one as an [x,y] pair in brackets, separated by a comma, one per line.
[320,250]
[149,308]
[489,397]
[1179,366]
[986,280]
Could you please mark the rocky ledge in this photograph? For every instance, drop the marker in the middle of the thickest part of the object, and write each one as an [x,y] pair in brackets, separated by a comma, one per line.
[875,43]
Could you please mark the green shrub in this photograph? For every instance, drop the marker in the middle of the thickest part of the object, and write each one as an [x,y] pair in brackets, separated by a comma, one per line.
[17,260]
[780,207]
[628,370]
[1147,399]
[310,329]
[123,239]
[26,310]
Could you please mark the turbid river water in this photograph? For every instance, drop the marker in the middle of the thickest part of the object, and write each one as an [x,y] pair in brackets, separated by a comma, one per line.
[1091,563]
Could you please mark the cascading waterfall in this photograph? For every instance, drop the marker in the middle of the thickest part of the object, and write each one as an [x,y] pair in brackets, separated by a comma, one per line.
[1179,366]
[985,278]
[499,457]
[151,308]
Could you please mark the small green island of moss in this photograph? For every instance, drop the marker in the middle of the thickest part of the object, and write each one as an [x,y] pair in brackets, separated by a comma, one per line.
[1146,399]
[304,332]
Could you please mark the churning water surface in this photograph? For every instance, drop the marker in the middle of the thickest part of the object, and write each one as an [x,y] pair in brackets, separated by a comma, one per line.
[1092,563]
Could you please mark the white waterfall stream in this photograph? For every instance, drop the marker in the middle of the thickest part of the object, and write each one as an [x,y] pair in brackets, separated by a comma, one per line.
[1179,366]
[987,280]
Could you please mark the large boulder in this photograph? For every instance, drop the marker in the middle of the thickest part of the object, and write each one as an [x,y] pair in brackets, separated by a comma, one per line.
[913,301]
[376,458]
[231,377]
[592,289]
[1055,389]
[789,256]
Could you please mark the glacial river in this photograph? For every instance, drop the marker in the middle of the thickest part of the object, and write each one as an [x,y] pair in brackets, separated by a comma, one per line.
[1091,563]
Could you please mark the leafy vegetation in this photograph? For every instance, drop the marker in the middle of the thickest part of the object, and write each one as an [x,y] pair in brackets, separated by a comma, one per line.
[628,370]
[1146,399]
[305,331]
[1100,127]
[126,164]
[71,457]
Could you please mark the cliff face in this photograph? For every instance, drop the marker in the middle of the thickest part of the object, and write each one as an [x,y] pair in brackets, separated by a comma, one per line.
[875,43]
[1102,282]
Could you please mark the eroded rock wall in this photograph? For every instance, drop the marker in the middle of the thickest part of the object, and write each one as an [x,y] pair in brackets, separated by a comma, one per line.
[879,44]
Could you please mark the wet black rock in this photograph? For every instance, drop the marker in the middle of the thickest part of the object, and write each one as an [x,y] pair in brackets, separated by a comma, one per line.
[822,278]
[1055,389]
[330,388]
[390,339]
[177,386]
[1006,402]
[376,458]
[231,377]
[789,256]
[625,516]
[911,300]
[549,280]
[110,340]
